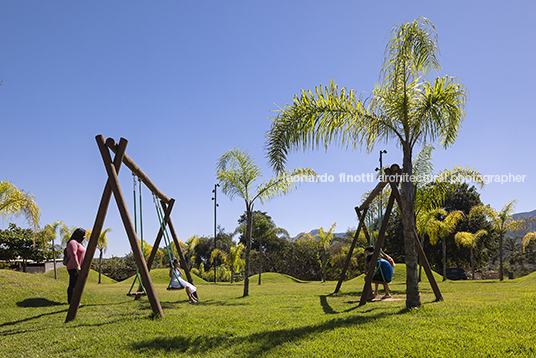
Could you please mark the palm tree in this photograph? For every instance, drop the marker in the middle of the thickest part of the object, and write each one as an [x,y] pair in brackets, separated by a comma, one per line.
[237,173]
[234,260]
[501,222]
[191,243]
[470,240]
[102,245]
[404,106]
[63,231]
[427,223]
[325,239]
[15,202]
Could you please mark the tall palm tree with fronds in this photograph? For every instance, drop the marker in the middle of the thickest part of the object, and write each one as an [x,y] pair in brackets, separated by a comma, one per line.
[237,175]
[404,106]
[15,202]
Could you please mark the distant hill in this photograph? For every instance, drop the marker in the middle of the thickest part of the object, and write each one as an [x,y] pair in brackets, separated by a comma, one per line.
[338,235]
[529,214]
[525,215]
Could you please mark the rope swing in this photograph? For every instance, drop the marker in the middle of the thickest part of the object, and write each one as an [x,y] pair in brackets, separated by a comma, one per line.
[167,241]
[141,290]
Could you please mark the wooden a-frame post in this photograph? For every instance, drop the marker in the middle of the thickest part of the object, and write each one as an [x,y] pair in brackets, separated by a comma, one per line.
[391,177]
[112,186]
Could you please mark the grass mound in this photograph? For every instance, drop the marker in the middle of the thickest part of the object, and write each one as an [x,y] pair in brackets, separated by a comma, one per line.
[21,289]
[63,276]
[274,278]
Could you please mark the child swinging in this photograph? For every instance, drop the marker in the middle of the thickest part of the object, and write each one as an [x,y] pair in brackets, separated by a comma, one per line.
[177,282]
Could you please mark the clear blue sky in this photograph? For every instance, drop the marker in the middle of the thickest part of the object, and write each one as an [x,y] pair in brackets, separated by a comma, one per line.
[185,81]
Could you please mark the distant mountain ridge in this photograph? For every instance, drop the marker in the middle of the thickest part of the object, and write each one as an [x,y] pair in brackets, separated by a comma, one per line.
[517,216]
[314,232]
[526,215]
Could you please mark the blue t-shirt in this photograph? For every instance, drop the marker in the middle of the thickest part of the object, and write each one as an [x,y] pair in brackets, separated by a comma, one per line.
[384,268]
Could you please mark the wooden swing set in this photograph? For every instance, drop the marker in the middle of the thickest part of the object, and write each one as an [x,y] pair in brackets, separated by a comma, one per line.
[392,177]
[112,187]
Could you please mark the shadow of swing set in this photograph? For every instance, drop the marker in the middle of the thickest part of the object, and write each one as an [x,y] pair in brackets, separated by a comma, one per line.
[146,284]
[112,186]
[392,177]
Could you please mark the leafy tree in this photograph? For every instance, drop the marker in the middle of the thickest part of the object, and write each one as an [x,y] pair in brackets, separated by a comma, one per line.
[202,251]
[404,106]
[531,236]
[18,243]
[265,235]
[15,202]
[117,268]
[237,173]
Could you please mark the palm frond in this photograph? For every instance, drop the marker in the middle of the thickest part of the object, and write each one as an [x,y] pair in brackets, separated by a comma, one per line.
[468,239]
[282,184]
[319,118]
[236,173]
[15,202]
[411,51]
[442,108]
[423,165]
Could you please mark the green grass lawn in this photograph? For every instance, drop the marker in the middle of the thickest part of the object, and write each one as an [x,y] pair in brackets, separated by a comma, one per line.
[282,317]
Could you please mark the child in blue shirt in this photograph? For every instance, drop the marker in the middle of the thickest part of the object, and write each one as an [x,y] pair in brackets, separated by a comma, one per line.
[384,271]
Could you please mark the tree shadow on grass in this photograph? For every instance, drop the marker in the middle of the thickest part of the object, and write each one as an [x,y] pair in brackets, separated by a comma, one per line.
[38,302]
[325,305]
[5,324]
[253,345]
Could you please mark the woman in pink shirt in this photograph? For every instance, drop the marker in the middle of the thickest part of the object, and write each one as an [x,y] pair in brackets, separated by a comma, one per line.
[76,253]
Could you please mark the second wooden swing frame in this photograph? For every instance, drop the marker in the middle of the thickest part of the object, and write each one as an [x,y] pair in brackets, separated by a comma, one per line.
[392,177]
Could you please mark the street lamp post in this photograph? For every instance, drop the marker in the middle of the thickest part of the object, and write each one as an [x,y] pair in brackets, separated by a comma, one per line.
[380,214]
[215,206]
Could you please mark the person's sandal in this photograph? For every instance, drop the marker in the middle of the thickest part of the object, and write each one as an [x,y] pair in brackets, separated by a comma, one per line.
[386,296]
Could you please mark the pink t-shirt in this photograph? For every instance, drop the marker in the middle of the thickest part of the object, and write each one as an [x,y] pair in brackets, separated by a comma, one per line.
[76,254]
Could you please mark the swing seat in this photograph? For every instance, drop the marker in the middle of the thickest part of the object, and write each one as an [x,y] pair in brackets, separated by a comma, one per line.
[136,294]
[175,288]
